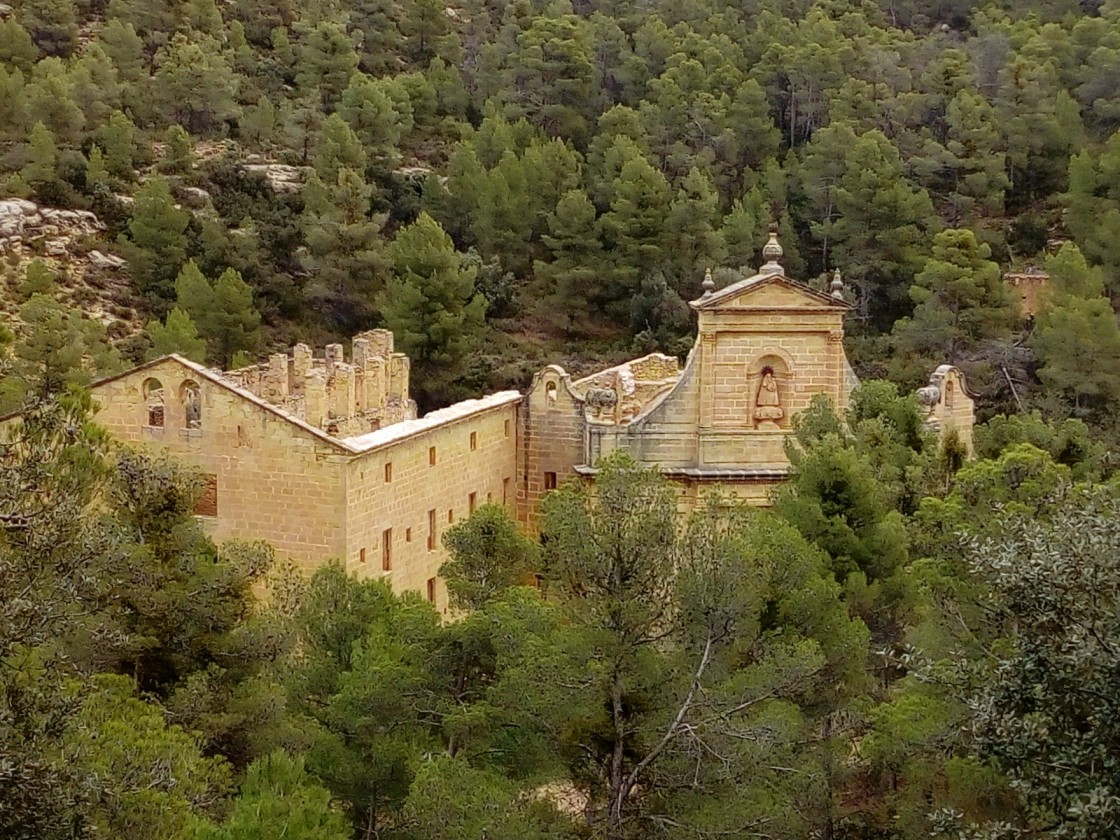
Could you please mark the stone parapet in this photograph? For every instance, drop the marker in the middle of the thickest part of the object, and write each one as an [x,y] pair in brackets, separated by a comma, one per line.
[342,397]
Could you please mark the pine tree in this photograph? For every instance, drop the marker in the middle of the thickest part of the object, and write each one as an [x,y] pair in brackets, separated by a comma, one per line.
[192,290]
[223,312]
[370,111]
[431,305]
[1076,336]
[16,47]
[156,244]
[49,98]
[40,171]
[260,120]
[233,324]
[38,279]
[56,348]
[177,151]
[117,139]
[743,230]
[502,219]
[13,114]
[52,24]
[568,277]
[97,88]
[336,148]
[178,334]
[326,62]
[345,251]
[197,87]
[487,554]
[632,231]
[692,226]
[961,302]
[279,798]
[872,223]
[126,50]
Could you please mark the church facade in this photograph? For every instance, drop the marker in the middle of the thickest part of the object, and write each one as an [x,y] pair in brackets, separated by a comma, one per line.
[325,458]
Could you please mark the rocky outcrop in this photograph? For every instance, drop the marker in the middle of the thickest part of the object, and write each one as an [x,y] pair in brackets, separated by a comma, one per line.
[94,281]
[23,221]
[280,176]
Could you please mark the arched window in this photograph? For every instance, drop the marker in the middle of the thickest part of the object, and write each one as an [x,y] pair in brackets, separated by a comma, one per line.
[948,393]
[191,397]
[152,390]
[550,393]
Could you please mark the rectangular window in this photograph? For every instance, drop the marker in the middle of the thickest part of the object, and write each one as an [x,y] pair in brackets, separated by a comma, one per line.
[474,441]
[361,555]
[489,498]
[387,550]
[450,516]
[431,456]
[388,471]
[505,490]
[207,504]
[431,530]
[432,590]
[408,535]
[472,503]
[550,481]
[505,428]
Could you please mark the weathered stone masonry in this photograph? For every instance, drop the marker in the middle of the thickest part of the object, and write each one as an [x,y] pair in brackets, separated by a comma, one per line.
[325,458]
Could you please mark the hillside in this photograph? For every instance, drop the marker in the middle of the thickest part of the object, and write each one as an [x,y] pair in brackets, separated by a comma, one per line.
[584,165]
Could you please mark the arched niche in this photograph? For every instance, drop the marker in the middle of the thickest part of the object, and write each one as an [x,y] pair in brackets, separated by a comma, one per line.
[190,397]
[550,391]
[770,388]
[152,392]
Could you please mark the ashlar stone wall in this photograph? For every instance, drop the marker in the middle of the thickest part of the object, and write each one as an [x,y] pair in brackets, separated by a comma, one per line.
[274,479]
[416,480]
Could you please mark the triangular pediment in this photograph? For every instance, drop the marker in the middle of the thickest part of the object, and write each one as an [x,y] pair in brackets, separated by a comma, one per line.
[772,291]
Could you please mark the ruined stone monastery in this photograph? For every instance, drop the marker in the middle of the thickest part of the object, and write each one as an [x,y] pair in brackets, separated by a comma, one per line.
[325,458]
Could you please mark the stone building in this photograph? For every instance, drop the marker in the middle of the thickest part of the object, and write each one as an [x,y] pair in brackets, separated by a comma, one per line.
[766,345]
[325,458]
[1028,288]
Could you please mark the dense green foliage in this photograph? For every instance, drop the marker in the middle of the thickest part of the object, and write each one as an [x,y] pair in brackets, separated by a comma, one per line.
[909,645]
[486,178]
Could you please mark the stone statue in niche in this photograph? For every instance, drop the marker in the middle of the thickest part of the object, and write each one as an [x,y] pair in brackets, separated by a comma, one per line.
[192,406]
[768,403]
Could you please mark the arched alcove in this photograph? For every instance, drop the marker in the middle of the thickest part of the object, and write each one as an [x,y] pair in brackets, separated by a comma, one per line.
[152,391]
[769,387]
[550,393]
[190,396]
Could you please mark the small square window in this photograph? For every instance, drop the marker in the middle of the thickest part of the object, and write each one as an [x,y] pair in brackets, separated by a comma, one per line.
[431,456]
[474,441]
[550,481]
[388,471]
